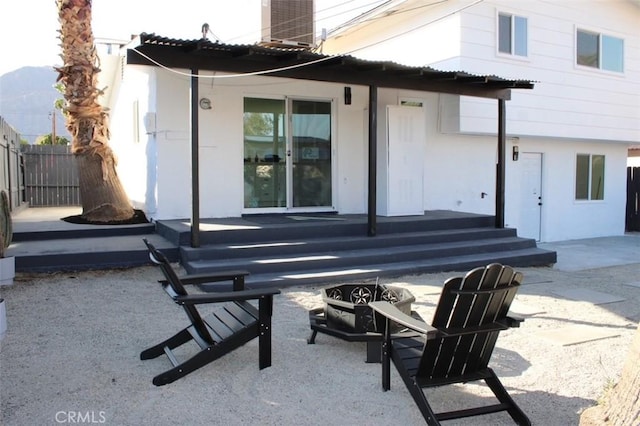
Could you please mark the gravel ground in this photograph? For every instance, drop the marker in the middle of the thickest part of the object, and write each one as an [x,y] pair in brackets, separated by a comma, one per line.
[71,355]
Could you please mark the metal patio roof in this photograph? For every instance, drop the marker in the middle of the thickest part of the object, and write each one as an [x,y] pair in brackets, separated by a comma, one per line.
[300,63]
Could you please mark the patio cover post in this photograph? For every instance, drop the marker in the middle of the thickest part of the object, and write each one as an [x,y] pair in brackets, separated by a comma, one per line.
[373,143]
[195,170]
[500,167]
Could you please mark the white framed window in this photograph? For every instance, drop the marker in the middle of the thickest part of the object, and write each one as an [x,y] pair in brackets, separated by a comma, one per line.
[601,51]
[512,34]
[589,177]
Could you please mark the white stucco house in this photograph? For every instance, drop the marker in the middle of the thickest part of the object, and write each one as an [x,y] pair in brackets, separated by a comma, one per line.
[361,134]
[570,134]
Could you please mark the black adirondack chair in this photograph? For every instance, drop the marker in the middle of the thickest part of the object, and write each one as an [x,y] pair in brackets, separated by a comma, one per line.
[457,346]
[233,322]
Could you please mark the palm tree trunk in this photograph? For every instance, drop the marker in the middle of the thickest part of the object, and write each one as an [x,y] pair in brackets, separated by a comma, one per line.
[102,195]
[622,404]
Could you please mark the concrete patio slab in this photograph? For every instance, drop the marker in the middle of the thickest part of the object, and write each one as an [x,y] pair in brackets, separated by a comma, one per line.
[586,295]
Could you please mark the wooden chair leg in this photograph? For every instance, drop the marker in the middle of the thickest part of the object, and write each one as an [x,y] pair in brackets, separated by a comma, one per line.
[386,356]
[503,396]
[265,310]
[421,401]
[312,337]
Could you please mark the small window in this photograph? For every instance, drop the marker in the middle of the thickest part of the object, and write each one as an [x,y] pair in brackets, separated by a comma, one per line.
[411,102]
[512,34]
[599,51]
[589,177]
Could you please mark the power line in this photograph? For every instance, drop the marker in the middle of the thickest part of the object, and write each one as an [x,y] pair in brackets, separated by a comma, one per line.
[326,58]
[316,13]
[419,26]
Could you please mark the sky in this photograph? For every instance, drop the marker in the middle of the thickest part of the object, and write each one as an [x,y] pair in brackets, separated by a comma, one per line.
[29,30]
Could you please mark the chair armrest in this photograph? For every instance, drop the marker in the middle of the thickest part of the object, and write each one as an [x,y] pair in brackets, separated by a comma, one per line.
[499,325]
[212,277]
[513,320]
[396,315]
[227,296]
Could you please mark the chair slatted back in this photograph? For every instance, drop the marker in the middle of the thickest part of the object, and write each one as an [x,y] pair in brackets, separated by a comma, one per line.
[174,288]
[469,309]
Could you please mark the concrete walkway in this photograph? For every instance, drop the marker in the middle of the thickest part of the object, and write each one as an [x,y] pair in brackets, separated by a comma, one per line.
[591,253]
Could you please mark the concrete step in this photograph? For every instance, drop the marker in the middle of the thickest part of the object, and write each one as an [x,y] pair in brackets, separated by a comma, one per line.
[356,257]
[279,228]
[84,231]
[517,258]
[73,254]
[282,249]
[264,249]
[277,251]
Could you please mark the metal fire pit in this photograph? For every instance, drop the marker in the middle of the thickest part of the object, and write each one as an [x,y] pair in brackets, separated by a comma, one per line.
[346,306]
[347,315]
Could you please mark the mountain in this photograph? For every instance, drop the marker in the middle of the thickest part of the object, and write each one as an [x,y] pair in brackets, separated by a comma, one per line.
[27,96]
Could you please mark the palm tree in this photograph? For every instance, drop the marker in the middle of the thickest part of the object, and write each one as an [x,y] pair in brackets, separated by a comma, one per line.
[621,406]
[102,195]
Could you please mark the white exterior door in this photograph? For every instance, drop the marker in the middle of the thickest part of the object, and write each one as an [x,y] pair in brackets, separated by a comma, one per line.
[530,195]
[405,178]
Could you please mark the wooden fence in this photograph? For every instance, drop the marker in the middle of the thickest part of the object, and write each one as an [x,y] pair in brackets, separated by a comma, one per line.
[633,199]
[11,165]
[50,176]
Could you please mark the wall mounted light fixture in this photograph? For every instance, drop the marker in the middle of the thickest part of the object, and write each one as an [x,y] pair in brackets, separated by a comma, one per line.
[516,152]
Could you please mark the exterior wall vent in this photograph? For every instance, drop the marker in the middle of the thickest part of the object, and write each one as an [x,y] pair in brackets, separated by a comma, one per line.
[288,23]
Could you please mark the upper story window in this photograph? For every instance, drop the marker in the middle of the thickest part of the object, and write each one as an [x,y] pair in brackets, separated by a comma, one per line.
[512,34]
[589,177]
[600,51]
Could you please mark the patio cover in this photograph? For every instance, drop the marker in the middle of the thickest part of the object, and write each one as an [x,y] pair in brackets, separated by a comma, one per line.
[301,63]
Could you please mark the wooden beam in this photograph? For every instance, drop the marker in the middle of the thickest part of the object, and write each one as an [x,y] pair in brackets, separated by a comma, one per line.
[195,169]
[500,167]
[336,70]
[373,162]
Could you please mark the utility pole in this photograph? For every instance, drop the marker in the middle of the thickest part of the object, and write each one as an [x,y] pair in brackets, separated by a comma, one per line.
[53,127]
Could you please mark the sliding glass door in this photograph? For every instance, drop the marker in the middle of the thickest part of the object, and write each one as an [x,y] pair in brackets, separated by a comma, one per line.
[311,153]
[287,154]
[264,153]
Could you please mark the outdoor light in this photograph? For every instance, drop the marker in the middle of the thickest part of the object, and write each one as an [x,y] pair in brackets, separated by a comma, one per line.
[347,95]
[515,152]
